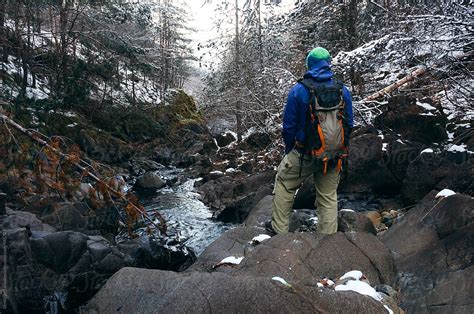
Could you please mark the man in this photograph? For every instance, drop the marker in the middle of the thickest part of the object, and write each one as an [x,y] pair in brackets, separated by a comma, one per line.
[307,129]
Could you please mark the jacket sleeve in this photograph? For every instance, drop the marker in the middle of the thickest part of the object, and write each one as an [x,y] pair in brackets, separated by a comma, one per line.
[346,95]
[290,121]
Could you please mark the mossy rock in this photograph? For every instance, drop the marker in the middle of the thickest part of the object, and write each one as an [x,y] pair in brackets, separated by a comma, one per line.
[179,110]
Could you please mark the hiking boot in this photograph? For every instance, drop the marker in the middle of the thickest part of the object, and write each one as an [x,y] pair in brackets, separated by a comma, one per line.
[269,228]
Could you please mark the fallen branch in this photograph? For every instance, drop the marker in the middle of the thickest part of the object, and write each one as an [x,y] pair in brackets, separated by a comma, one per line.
[410,77]
[34,136]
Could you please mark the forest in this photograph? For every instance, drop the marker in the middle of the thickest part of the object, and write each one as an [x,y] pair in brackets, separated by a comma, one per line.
[140,144]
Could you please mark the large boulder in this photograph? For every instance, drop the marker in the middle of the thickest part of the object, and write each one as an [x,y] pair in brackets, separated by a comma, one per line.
[21,219]
[351,221]
[234,242]
[146,252]
[399,156]
[232,198]
[367,170]
[49,269]
[146,291]
[432,246]
[46,265]
[225,139]
[59,251]
[416,120]
[305,257]
[300,220]
[430,170]
[259,140]
[78,216]
[150,180]
[261,213]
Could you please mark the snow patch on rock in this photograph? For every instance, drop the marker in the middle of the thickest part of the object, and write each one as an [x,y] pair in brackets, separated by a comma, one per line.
[281,280]
[355,274]
[427,151]
[260,238]
[231,260]
[445,193]
[426,106]
[359,287]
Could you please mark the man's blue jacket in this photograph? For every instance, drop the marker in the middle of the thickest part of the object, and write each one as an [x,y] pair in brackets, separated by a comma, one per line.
[296,109]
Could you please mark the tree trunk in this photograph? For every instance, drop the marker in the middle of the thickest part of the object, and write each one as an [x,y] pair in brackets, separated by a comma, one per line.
[3,34]
[63,21]
[410,77]
[238,116]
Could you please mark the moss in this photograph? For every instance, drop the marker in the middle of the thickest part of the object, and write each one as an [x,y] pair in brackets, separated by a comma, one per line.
[180,111]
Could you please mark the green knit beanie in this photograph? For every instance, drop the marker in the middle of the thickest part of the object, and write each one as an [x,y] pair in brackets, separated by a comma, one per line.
[318,53]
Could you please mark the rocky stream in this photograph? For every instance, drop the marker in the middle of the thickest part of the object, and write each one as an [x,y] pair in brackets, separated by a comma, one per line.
[401,244]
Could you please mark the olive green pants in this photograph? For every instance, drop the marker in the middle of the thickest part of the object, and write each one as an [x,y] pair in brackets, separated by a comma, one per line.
[288,180]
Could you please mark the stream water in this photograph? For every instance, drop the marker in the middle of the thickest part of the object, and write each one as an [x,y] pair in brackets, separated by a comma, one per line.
[186,214]
[192,221]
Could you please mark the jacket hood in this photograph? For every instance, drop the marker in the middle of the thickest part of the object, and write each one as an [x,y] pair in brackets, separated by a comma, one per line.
[320,70]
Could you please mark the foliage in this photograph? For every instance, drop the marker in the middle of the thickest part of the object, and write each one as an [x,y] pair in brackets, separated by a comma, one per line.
[372,43]
[39,169]
[79,52]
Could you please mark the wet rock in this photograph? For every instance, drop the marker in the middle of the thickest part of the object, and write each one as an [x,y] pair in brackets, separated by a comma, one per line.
[246,167]
[225,139]
[261,213]
[238,210]
[65,216]
[59,251]
[413,121]
[432,246]
[139,166]
[399,156]
[208,147]
[234,242]
[148,253]
[218,292]
[233,197]
[215,192]
[306,257]
[367,170]
[351,221]
[21,219]
[163,155]
[150,180]
[259,140]
[429,171]
[299,219]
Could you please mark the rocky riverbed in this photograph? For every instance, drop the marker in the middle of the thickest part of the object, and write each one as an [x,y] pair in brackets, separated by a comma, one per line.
[407,246]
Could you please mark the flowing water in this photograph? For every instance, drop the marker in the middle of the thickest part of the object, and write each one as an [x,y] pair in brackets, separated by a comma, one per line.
[187,215]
